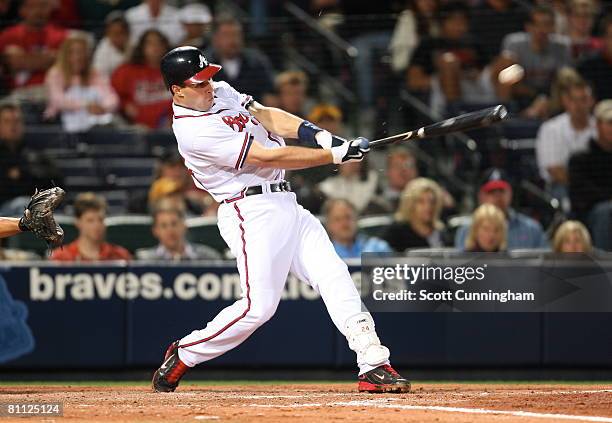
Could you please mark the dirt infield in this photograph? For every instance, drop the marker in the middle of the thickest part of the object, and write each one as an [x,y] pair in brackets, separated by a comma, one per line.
[321,402]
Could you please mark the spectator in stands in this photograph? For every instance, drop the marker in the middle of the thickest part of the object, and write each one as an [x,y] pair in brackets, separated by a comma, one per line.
[328,117]
[540,52]
[29,48]
[169,229]
[417,220]
[112,50]
[90,245]
[155,14]
[291,89]
[419,19]
[139,83]
[598,68]
[590,180]
[523,231]
[341,223]
[196,20]
[245,69]
[450,68]
[491,21]
[581,19]
[564,135]
[198,201]
[82,96]
[572,237]
[401,169]
[20,172]
[488,232]
[354,182]
[169,190]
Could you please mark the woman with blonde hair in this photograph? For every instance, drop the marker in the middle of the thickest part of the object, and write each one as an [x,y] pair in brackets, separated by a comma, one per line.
[572,237]
[82,96]
[489,230]
[417,220]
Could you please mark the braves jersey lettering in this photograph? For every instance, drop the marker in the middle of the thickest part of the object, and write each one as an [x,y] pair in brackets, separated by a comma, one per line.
[239,121]
[215,144]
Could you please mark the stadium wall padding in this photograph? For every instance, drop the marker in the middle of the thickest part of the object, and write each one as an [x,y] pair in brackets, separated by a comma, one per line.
[124,315]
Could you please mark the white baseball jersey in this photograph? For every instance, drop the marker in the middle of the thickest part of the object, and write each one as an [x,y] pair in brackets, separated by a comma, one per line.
[215,144]
[270,234]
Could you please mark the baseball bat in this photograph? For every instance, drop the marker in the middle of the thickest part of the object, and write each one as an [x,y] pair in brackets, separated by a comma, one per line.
[473,120]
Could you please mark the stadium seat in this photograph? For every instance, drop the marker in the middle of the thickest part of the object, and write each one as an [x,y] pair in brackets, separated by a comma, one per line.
[76,167]
[105,142]
[204,230]
[51,139]
[374,225]
[76,184]
[160,142]
[134,173]
[130,231]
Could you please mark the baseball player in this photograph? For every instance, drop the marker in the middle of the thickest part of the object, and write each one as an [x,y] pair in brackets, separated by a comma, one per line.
[38,218]
[234,149]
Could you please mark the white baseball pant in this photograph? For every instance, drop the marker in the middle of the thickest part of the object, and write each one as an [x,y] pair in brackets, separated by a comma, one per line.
[271,235]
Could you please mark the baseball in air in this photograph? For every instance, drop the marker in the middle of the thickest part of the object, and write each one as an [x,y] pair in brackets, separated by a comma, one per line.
[511,75]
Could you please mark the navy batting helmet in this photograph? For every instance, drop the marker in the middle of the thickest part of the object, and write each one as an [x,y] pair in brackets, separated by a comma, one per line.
[186,64]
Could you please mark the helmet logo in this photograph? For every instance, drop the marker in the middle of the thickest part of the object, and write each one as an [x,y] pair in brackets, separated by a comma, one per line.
[202,60]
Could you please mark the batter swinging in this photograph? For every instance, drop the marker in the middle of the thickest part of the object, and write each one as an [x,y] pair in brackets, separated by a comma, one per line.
[234,149]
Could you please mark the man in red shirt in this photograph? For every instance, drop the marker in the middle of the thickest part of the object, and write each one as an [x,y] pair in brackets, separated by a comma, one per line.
[30,47]
[89,213]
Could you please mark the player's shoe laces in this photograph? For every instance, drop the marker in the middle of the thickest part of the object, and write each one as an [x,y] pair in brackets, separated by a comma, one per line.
[383,379]
[168,376]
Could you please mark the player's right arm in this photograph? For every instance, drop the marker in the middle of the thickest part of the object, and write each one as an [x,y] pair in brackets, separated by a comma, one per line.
[292,158]
[9,226]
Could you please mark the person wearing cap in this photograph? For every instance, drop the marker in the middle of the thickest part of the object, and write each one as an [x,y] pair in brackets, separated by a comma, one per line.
[523,231]
[590,180]
[196,20]
[112,50]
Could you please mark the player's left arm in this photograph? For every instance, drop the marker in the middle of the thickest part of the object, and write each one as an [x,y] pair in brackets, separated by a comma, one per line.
[287,125]
[9,226]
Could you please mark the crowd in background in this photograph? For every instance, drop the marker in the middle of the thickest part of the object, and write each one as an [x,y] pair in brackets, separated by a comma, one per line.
[82,65]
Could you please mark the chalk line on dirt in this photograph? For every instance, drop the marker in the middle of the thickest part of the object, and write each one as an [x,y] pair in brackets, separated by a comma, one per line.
[380,404]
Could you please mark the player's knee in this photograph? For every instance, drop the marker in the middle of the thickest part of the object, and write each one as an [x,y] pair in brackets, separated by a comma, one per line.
[262,311]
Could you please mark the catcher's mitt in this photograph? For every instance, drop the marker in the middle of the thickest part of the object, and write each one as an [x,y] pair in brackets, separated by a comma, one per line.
[38,216]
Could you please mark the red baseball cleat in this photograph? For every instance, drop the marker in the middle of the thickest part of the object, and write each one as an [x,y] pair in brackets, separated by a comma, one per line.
[383,379]
[168,376]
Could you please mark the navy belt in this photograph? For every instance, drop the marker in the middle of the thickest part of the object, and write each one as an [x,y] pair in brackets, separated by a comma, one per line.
[282,186]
